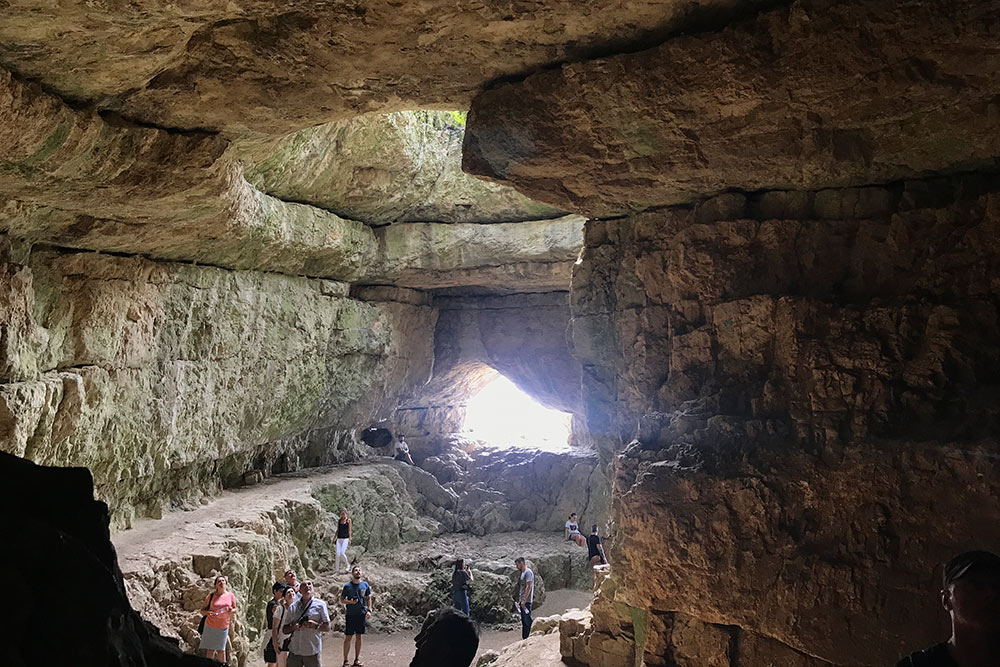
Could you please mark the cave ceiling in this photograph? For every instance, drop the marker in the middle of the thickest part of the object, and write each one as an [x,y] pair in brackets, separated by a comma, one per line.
[275,67]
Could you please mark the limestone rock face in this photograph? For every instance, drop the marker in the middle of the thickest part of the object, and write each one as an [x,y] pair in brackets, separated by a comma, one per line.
[382,169]
[167,380]
[284,66]
[807,377]
[74,179]
[806,96]
[530,256]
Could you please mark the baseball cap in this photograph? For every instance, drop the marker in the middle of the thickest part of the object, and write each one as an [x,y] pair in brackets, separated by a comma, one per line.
[970,563]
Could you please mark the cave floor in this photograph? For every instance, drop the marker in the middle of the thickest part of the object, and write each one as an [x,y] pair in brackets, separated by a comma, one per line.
[153,547]
[396,649]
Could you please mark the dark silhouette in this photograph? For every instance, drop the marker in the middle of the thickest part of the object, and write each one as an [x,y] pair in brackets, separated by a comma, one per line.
[970,592]
[448,638]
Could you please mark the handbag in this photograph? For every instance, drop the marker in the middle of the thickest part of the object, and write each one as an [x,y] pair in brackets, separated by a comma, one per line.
[201,623]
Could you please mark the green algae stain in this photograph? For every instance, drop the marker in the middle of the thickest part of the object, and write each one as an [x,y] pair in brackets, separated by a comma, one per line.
[50,146]
[640,627]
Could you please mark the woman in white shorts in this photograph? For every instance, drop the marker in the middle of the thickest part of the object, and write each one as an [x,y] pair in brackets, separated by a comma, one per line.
[343,539]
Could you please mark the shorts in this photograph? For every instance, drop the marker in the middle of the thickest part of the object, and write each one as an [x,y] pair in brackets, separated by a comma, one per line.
[213,639]
[355,624]
[305,660]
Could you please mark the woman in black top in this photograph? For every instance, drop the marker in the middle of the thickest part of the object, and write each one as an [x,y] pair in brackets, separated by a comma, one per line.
[460,580]
[343,539]
[277,591]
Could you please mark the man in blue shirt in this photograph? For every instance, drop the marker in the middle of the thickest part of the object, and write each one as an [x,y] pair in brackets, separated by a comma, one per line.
[357,597]
[526,595]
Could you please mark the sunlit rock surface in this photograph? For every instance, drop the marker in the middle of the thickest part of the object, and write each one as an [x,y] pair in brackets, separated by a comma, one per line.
[808,95]
[516,257]
[384,168]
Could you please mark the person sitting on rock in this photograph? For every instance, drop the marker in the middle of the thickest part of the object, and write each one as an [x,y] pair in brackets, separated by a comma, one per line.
[460,580]
[357,596]
[446,639]
[403,450]
[971,596]
[343,539]
[595,550]
[573,531]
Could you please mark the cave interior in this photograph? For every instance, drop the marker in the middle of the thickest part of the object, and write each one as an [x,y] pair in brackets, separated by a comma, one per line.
[749,249]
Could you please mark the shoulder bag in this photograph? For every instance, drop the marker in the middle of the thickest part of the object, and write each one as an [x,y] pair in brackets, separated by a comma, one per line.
[201,623]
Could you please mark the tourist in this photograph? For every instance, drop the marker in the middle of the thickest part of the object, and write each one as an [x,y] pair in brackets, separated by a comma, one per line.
[357,597]
[573,531]
[403,451]
[219,608]
[277,592]
[460,580]
[343,539]
[446,639]
[595,550]
[282,617]
[526,595]
[310,618]
[292,582]
[971,596]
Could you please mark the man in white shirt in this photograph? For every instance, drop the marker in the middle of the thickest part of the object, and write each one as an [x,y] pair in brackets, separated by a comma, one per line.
[310,619]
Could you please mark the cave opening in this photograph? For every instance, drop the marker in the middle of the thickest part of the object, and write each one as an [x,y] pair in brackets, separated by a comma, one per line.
[501,415]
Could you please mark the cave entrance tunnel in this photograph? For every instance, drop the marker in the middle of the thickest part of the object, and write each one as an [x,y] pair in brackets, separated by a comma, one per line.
[500,414]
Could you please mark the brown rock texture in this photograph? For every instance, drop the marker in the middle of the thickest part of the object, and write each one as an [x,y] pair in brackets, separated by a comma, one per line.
[812,95]
[810,378]
[281,66]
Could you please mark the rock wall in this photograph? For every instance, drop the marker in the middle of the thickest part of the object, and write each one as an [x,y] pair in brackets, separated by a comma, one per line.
[277,67]
[169,380]
[810,382]
[808,95]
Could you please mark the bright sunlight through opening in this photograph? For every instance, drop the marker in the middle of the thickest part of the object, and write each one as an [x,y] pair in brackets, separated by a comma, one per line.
[502,415]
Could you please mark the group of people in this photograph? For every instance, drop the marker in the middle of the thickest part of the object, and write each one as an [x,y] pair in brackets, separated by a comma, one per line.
[595,548]
[296,619]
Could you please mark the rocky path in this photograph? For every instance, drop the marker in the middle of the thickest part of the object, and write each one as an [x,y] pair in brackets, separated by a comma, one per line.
[253,533]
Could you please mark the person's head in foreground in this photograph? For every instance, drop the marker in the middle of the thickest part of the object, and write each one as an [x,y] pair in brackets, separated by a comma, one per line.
[448,638]
[970,593]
